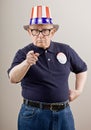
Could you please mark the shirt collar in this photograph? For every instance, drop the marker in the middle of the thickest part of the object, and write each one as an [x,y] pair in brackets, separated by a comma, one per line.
[39,50]
[51,48]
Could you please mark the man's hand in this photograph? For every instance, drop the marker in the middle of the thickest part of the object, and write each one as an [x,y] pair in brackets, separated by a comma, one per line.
[19,71]
[73,94]
[32,57]
[79,85]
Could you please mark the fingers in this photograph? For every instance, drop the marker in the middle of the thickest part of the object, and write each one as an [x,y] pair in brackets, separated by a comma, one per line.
[73,94]
[37,54]
[32,57]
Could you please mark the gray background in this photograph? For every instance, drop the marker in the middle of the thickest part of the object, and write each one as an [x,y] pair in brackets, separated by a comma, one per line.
[74,18]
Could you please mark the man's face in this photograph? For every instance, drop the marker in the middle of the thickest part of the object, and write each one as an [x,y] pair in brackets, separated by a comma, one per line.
[41,35]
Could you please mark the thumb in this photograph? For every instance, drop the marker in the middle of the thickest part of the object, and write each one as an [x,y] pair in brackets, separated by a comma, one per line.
[37,54]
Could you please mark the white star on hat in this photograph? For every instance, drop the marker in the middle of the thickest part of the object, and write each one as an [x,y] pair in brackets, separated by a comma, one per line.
[39,20]
[47,20]
[33,21]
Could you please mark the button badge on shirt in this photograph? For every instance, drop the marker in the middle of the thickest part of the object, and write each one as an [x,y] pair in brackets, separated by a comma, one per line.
[61,57]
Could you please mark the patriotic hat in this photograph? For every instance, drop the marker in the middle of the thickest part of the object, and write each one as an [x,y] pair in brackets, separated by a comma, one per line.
[41,15]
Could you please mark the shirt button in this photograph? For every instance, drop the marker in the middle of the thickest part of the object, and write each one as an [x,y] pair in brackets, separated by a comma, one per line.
[46,51]
[49,59]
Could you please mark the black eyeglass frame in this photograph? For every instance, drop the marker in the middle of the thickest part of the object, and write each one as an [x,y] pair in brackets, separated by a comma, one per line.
[41,31]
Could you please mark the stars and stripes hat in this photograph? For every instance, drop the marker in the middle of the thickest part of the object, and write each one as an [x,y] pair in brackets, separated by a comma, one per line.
[41,15]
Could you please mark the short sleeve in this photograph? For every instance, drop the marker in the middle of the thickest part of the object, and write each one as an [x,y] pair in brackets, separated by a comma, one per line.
[19,57]
[77,65]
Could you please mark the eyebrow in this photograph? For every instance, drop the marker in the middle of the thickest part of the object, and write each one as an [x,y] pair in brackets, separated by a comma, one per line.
[40,29]
[43,27]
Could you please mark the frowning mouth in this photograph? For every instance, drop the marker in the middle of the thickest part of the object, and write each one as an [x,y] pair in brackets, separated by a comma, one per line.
[40,41]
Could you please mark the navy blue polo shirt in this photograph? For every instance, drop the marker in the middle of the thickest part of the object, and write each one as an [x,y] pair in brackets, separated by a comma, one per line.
[47,80]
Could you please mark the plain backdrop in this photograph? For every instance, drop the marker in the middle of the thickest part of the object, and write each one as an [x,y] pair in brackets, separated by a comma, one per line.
[74,18]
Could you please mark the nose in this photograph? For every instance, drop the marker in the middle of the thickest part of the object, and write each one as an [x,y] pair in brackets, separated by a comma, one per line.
[40,34]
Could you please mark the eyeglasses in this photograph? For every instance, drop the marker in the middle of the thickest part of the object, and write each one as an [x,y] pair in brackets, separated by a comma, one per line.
[45,32]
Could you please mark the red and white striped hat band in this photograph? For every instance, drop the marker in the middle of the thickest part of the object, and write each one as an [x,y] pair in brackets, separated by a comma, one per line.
[40,15]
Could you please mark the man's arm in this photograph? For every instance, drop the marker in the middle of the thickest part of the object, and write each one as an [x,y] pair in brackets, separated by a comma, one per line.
[19,71]
[79,85]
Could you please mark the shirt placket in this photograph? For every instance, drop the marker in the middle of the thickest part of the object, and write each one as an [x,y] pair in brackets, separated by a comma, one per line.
[48,59]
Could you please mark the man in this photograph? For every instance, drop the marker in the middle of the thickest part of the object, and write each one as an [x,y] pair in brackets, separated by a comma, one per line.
[43,68]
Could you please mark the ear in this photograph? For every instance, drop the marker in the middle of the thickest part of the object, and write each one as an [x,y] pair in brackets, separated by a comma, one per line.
[53,32]
[29,32]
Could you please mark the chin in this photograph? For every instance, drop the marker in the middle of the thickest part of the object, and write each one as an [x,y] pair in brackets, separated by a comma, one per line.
[41,46]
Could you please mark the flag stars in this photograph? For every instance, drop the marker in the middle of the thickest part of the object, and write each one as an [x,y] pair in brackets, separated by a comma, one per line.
[39,20]
[47,20]
[33,21]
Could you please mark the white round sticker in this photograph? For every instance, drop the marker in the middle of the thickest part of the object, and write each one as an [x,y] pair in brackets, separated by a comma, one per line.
[61,57]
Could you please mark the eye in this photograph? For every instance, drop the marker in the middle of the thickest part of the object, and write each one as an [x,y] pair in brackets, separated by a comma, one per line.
[46,31]
[34,31]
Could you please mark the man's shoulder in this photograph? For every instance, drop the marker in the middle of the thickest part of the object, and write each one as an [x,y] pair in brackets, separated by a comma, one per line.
[24,50]
[60,45]
[27,48]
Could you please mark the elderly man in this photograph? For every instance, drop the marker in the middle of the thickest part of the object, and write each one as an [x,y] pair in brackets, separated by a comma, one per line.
[43,68]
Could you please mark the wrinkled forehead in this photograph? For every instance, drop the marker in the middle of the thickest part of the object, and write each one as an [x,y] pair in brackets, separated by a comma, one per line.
[41,26]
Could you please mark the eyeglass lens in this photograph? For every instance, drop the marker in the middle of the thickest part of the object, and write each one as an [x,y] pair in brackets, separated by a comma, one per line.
[45,32]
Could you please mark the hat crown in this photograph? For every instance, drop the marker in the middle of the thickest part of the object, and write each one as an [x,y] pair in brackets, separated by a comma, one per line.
[40,15]
[40,11]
